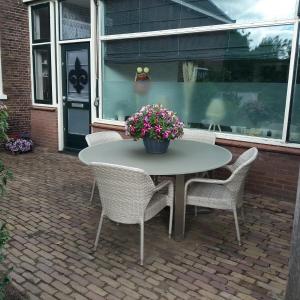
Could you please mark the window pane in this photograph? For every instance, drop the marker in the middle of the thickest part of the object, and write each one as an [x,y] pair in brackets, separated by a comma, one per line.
[41,23]
[234,81]
[75,20]
[78,86]
[125,16]
[42,74]
[294,135]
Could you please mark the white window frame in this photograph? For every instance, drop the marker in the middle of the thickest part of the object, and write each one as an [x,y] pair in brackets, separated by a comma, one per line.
[2,95]
[51,43]
[93,50]
[213,28]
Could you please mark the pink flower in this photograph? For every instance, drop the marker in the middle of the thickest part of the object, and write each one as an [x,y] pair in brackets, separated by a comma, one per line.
[157,128]
[166,134]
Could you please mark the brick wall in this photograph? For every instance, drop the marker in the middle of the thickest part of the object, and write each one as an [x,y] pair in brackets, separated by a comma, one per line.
[15,49]
[273,174]
[44,129]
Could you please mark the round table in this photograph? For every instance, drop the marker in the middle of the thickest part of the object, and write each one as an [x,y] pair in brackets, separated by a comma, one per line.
[183,157]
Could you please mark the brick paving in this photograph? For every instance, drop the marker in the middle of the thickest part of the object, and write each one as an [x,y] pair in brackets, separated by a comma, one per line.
[53,229]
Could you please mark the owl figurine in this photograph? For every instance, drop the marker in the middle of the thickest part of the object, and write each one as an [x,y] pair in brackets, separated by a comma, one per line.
[142,80]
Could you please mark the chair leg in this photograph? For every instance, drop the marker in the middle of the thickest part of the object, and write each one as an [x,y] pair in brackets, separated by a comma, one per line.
[243,213]
[142,242]
[196,210]
[171,220]
[237,226]
[99,230]
[93,192]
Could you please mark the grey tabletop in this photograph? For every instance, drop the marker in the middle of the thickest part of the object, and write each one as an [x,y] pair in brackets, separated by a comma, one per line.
[183,157]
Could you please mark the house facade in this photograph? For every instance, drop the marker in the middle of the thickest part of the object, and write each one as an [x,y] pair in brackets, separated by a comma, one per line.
[71,67]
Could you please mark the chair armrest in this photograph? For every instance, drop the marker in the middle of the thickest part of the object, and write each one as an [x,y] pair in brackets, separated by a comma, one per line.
[163,184]
[229,168]
[205,180]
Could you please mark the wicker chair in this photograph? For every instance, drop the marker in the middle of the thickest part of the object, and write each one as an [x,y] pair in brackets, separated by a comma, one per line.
[203,136]
[129,196]
[199,135]
[101,138]
[222,194]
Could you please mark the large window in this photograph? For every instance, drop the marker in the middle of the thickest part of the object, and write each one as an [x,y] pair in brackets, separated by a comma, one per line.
[41,54]
[75,19]
[294,132]
[231,79]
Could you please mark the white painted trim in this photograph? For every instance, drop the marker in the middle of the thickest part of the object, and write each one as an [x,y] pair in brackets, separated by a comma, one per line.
[2,95]
[53,54]
[44,105]
[110,122]
[31,55]
[93,58]
[100,60]
[60,122]
[74,41]
[290,85]
[191,30]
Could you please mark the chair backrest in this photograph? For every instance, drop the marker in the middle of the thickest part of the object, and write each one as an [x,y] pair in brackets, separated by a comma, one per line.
[102,137]
[199,135]
[236,182]
[244,157]
[124,192]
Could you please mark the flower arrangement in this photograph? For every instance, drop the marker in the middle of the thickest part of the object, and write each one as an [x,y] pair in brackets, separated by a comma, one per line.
[154,122]
[19,144]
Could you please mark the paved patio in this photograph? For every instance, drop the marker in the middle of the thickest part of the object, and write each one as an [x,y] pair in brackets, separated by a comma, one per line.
[53,229]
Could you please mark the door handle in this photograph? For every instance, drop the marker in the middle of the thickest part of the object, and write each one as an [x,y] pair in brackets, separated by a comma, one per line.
[64,98]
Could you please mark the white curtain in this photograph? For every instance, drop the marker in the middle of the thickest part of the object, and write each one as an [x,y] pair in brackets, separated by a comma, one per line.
[189,71]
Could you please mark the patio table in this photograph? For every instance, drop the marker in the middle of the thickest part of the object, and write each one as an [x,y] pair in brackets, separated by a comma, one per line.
[183,157]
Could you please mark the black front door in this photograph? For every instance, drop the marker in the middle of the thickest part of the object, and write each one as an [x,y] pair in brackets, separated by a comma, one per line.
[76,95]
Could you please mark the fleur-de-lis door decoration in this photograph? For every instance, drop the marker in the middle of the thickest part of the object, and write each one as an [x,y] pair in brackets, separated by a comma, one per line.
[78,77]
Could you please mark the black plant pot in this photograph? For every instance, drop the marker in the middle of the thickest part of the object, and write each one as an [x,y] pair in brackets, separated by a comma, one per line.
[155,146]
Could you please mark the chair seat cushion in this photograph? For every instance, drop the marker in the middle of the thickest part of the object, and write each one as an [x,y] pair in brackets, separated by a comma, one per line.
[157,203]
[209,195]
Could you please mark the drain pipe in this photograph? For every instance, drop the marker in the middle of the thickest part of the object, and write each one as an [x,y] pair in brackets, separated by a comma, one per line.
[97,58]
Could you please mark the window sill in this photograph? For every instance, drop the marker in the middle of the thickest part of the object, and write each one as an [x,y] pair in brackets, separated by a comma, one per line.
[3,97]
[222,142]
[43,108]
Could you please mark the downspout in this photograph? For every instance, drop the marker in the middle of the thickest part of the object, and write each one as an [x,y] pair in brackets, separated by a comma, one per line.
[97,45]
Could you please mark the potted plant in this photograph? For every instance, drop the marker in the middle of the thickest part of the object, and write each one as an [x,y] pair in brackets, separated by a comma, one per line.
[20,143]
[156,126]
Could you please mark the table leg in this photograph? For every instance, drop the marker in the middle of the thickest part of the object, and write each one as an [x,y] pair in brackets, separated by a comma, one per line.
[179,208]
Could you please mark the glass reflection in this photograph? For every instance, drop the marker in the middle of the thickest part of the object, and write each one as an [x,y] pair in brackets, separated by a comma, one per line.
[126,16]
[75,20]
[234,81]
[294,133]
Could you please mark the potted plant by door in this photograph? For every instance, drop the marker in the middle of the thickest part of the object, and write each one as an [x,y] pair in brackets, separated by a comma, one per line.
[156,126]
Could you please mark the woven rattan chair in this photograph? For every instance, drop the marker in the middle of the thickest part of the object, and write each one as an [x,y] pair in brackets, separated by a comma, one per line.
[101,138]
[203,136]
[222,194]
[129,196]
[199,135]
